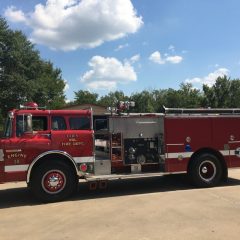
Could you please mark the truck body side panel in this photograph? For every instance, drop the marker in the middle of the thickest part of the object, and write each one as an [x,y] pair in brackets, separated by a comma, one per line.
[178,150]
[185,135]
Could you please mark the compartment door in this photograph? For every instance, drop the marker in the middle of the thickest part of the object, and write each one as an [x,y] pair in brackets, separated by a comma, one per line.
[175,157]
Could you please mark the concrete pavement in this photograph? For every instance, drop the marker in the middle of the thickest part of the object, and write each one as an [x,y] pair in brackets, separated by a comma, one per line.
[154,208]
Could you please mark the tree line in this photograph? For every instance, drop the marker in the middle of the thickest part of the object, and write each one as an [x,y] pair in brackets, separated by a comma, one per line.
[225,93]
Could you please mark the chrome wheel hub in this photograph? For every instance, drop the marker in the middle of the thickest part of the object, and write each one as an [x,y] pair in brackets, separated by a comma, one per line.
[207,170]
[204,170]
[53,181]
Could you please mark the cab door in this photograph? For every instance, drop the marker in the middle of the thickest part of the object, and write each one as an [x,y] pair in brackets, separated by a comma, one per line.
[4,145]
[81,127]
[74,135]
[25,145]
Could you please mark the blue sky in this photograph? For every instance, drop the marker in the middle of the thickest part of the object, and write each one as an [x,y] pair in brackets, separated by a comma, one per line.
[108,45]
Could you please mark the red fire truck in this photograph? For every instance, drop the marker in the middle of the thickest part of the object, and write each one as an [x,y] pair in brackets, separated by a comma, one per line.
[52,149]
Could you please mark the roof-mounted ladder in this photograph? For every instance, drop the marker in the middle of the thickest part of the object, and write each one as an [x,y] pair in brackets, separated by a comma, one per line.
[221,111]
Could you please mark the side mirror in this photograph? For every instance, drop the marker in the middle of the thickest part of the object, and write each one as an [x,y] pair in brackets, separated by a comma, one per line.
[11,115]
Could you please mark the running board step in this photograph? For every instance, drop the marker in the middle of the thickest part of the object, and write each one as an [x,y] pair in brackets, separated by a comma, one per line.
[126,176]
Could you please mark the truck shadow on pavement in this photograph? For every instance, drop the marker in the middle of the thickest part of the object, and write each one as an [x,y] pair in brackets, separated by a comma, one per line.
[17,197]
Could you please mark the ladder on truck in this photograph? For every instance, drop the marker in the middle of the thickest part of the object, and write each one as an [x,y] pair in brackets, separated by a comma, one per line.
[219,111]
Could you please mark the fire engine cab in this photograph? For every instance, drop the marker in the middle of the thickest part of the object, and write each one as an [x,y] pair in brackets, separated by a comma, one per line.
[52,149]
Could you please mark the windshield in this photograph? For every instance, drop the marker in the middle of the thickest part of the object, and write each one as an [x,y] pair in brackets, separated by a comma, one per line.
[8,128]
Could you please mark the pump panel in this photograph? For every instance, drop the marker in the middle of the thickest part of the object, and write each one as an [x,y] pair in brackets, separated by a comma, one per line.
[141,151]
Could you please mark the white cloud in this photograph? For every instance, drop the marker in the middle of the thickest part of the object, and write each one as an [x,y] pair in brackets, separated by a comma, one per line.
[121,47]
[157,58]
[106,73]
[15,15]
[72,24]
[67,86]
[102,85]
[134,59]
[174,59]
[210,79]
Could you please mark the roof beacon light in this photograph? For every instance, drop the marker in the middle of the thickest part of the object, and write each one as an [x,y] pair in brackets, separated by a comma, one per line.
[29,105]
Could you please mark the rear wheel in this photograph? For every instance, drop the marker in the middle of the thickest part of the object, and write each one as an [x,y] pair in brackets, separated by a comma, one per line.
[53,182]
[205,171]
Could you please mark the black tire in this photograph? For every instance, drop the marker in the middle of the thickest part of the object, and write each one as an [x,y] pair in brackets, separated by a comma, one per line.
[53,182]
[205,171]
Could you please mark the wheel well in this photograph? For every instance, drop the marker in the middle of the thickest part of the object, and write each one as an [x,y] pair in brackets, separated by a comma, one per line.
[52,157]
[214,152]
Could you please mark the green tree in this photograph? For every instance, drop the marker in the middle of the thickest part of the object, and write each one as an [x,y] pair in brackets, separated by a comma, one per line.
[48,87]
[159,99]
[234,94]
[24,76]
[218,96]
[112,98]
[171,98]
[144,101]
[224,93]
[1,123]
[189,97]
[82,97]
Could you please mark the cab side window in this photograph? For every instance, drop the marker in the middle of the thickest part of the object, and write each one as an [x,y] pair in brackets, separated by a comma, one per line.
[58,123]
[39,123]
[79,123]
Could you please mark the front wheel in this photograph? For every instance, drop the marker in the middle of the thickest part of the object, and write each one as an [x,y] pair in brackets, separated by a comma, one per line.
[205,171]
[53,182]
